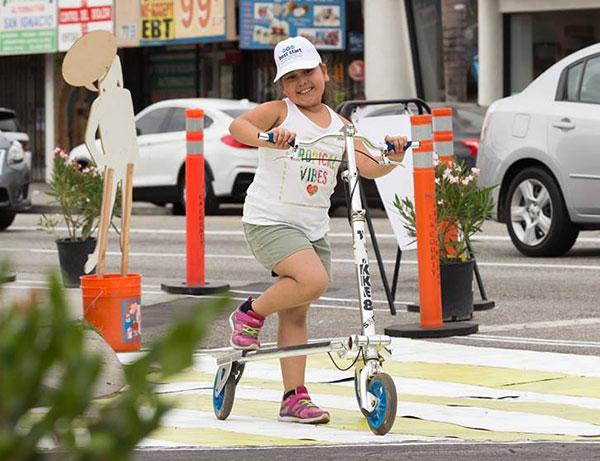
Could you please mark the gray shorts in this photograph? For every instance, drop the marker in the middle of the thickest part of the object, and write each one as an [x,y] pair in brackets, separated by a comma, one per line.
[272,244]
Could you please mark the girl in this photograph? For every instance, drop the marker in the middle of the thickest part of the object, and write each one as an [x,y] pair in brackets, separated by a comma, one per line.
[285,216]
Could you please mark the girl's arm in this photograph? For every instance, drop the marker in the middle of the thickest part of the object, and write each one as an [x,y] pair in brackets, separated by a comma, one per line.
[263,118]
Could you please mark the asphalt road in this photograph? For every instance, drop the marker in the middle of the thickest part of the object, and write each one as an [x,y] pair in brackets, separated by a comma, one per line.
[541,304]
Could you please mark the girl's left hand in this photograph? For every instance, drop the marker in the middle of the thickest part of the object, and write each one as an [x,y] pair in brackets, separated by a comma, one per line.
[399,143]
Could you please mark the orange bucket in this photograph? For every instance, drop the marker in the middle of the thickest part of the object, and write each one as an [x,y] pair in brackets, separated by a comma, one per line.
[112,304]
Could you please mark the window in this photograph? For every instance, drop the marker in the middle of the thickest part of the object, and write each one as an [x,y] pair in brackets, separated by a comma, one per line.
[573,79]
[177,122]
[152,122]
[590,83]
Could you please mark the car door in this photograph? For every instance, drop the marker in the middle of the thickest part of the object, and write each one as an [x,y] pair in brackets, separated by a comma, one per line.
[574,135]
[153,143]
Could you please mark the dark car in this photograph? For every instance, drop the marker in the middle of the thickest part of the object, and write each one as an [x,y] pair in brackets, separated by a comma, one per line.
[15,177]
[467,120]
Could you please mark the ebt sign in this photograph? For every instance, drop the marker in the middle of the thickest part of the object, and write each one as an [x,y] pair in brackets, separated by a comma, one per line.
[77,17]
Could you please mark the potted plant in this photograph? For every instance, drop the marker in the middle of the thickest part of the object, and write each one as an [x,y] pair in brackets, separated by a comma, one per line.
[78,192]
[462,208]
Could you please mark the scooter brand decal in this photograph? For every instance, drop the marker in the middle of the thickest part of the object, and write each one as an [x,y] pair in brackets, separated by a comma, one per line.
[368,323]
[365,283]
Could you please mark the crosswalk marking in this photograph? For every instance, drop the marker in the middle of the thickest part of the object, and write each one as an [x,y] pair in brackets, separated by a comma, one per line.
[445,392]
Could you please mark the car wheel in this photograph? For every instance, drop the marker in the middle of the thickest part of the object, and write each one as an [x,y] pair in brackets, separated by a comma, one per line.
[538,223]
[6,219]
[211,203]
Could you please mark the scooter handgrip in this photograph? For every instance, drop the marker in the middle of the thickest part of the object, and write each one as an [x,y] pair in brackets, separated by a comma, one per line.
[269,137]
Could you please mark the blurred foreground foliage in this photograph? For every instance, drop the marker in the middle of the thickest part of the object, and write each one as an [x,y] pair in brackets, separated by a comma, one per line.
[37,422]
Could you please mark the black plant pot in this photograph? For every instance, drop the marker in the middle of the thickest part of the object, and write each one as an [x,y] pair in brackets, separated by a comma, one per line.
[457,290]
[72,255]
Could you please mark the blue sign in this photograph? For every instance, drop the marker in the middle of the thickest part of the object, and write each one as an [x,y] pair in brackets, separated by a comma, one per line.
[356,42]
[264,24]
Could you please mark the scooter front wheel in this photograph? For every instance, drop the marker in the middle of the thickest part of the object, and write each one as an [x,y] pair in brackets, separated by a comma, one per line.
[382,418]
[223,401]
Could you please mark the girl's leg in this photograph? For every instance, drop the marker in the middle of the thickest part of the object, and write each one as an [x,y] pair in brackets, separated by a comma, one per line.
[302,279]
[292,331]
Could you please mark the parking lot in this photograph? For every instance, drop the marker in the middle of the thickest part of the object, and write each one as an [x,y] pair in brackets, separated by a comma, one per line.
[543,306]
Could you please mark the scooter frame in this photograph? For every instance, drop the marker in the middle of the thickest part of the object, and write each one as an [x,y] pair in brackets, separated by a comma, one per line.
[370,348]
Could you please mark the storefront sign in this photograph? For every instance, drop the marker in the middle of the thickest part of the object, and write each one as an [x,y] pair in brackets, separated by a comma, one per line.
[127,23]
[182,21]
[156,20]
[264,24]
[27,26]
[356,42]
[356,70]
[77,17]
[200,19]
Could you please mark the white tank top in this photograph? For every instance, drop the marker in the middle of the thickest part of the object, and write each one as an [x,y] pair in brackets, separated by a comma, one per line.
[292,192]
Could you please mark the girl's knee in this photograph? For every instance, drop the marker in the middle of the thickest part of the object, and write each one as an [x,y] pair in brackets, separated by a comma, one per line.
[317,285]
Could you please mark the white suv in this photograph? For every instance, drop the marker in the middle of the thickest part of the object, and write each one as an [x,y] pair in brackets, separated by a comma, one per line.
[159,177]
[542,148]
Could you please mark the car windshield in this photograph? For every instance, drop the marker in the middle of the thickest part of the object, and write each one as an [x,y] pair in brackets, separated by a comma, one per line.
[234,113]
[468,121]
[8,122]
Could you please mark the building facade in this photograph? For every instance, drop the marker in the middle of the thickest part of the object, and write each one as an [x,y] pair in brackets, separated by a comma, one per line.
[473,50]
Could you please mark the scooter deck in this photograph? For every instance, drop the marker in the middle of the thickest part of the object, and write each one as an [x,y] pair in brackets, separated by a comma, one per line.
[266,353]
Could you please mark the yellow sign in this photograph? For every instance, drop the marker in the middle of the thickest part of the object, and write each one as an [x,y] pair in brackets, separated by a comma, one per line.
[199,18]
[157,20]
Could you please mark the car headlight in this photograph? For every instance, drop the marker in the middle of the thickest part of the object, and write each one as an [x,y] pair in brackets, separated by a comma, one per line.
[15,153]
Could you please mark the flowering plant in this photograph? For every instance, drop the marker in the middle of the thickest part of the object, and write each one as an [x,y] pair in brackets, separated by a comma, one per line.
[462,208]
[78,192]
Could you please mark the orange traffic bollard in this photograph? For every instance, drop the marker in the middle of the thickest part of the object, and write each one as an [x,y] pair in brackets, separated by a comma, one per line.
[430,295]
[431,324]
[195,282]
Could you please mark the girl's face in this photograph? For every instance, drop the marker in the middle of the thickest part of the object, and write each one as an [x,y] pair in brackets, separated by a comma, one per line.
[305,87]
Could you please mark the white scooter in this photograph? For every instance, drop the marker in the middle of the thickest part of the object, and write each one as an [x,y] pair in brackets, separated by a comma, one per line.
[375,390]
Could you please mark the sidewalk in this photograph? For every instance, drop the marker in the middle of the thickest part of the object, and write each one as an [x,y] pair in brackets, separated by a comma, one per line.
[41,202]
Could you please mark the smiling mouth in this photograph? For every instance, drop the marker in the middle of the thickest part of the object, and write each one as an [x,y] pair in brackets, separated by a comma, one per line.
[305,91]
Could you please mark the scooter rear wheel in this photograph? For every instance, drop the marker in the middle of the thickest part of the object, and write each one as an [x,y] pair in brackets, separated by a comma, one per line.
[382,418]
[223,401]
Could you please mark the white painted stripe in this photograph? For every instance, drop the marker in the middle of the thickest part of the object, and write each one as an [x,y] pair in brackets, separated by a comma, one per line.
[535,265]
[399,445]
[536,341]
[410,350]
[542,324]
[344,235]
[470,417]
[405,386]
[271,427]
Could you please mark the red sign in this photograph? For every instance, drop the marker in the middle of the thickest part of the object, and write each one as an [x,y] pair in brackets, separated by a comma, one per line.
[77,17]
[356,70]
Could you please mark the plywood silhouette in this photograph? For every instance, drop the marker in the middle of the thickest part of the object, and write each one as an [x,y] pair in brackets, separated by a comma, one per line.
[93,62]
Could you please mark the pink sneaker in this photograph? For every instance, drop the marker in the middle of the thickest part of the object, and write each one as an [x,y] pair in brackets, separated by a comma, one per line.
[245,326]
[299,408]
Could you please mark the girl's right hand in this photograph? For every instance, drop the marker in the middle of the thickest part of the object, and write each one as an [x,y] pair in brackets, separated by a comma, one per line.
[282,138]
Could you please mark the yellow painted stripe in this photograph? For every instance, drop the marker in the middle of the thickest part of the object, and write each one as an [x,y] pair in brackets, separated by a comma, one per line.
[220,438]
[353,421]
[496,377]
[565,411]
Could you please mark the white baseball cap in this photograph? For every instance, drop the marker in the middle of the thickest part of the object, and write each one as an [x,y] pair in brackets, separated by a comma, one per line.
[295,53]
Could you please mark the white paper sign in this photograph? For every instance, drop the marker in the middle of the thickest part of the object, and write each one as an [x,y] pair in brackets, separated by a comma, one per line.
[78,17]
[400,180]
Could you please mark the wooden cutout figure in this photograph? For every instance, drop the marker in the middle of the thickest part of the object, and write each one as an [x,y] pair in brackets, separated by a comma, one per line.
[93,58]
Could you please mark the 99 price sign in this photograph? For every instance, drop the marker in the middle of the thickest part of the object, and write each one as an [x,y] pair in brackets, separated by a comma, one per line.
[199,18]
